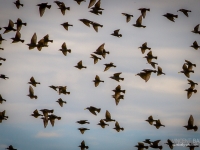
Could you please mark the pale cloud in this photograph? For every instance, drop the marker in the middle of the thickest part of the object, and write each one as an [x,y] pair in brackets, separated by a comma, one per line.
[43,134]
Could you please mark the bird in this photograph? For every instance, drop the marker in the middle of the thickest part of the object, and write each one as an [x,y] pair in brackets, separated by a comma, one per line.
[96,25]
[83,146]
[141,146]
[101,51]
[1,48]
[108,66]
[170,16]
[186,71]
[79,1]
[82,130]
[148,141]
[192,146]
[45,121]
[52,119]
[79,65]
[95,58]
[192,83]
[153,64]
[17,38]
[108,117]
[170,143]
[3,116]
[116,76]
[190,125]
[10,27]
[117,127]
[189,64]
[64,49]
[46,112]
[117,98]
[93,110]
[33,82]
[97,81]
[150,120]
[19,24]
[190,91]
[158,124]
[102,123]
[46,39]
[36,114]
[83,122]
[155,144]
[91,3]
[4,59]
[41,44]
[128,16]
[116,33]
[144,75]
[62,8]
[150,56]
[144,47]
[42,8]
[63,90]
[118,91]
[196,29]
[1,99]
[11,148]
[159,71]
[143,11]
[33,42]
[195,45]
[53,87]
[97,6]
[86,22]
[3,76]
[61,102]
[184,11]
[1,39]
[96,11]
[66,25]
[18,4]
[58,3]
[139,23]
[31,93]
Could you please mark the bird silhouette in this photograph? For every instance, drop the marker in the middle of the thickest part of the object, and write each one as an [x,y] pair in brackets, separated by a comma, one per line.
[64,49]
[3,76]
[150,56]
[117,127]
[83,146]
[118,91]
[1,99]
[42,8]
[186,71]
[128,16]
[82,130]
[195,45]
[153,64]
[108,117]
[46,112]
[170,16]
[97,6]
[108,66]
[117,98]
[184,11]
[53,87]
[11,148]
[139,23]
[31,93]
[96,11]
[190,91]
[116,33]
[192,83]
[63,90]
[190,125]
[86,22]
[52,119]
[3,116]
[189,64]
[4,59]
[33,82]
[1,39]
[63,8]
[150,120]
[148,141]
[159,71]
[116,76]
[41,44]
[83,122]
[95,58]
[97,81]
[9,27]
[33,42]
[155,144]
[19,24]
[96,25]
[144,47]
[93,110]
[101,51]
[18,4]
[170,143]
[143,11]
[61,102]
[158,124]
[80,65]
[192,146]
[196,29]
[36,114]
[141,146]
[102,123]
[45,121]
[46,39]
[66,25]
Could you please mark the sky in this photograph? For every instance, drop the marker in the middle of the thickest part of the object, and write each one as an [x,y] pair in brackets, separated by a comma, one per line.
[163,96]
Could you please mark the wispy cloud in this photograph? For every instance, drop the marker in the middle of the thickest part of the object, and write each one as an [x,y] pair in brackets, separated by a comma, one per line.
[43,134]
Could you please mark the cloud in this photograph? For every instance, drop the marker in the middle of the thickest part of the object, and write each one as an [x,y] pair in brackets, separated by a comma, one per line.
[43,134]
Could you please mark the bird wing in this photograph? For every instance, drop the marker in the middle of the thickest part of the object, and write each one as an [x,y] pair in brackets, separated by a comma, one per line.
[52,120]
[139,20]
[195,43]
[83,143]
[82,130]
[147,76]
[86,22]
[159,69]
[143,11]
[10,24]
[35,112]
[80,63]
[184,67]
[96,83]
[149,54]
[34,39]
[106,68]
[100,48]
[108,116]
[64,46]
[185,13]
[41,10]
[150,118]
[191,121]
[62,10]
[32,79]
[118,88]
[117,74]
[117,124]
[18,35]
[31,91]
[97,78]
[144,44]
[92,2]
[95,27]
[45,121]
[98,4]
[60,103]
[116,31]
[196,27]
[65,26]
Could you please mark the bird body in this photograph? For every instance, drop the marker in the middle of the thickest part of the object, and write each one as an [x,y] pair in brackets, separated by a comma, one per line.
[108,66]
[117,127]
[192,83]
[31,93]
[102,123]
[158,124]
[159,71]
[95,58]
[63,90]
[33,42]
[186,71]
[93,110]
[64,49]
[63,8]
[116,33]
[18,4]
[150,56]
[150,120]
[190,91]
[97,81]
[170,16]
[190,125]
[108,117]
[128,16]
[195,45]
[36,114]
[196,29]
[11,148]
[170,143]
[17,38]
[116,76]
[61,102]
[19,24]
[82,130]
[139,23]
[10,27]
[101,51]
[80,65]
[52,119]
[144,47]
[143,11]
[33,82]
[141,146]
[86,22]
[66,25]
[83,146]
[42,8]
[83,122]
[3,76]
[184,11]
[1,99]
[96,25]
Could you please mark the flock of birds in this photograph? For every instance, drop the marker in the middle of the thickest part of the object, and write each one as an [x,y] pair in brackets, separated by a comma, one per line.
[48,116]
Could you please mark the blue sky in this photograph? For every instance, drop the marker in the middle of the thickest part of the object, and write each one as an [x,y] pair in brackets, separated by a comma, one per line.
[163,97]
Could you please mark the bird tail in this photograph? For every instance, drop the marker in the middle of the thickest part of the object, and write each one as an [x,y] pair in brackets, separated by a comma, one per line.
[68,8]
[102,26]
[22,5]
[122,79]
[51,111]
[49,6]
[98,110]
[68,92]
[195,128]
[35,97]
[22,41]
[195,91]
[100,12]
[148,9]
[69,50]
[194,65]
[123,91]
[87,147]
[156,57]
[122,129]
[108,52]
[24,24]
[176,16]
[160,147]
[51,41]
[58,118]
[146,147]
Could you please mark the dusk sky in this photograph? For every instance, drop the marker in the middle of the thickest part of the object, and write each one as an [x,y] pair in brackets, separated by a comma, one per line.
[164,97]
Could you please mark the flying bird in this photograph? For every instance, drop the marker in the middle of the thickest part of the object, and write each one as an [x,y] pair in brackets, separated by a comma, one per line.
[3,116]
[117,127]
[108,117]
[64,49]
[10,27]
[54,87]
[118,98]
[118,91]
[96,25]
[3,76]
[61,102]
[18,4]
[150,120]
[186,71]
[170,16]
[93,110]
[83,122]
[63,8]
[63,90]
[46,112]
[158,124]
[36,114]
[144,47]
[31,93]
[42,8]
[141,146]
[116,33]
[190,91]
[11,148]
[97,81]
[116,76]
[95,58]
[1,99]
[108,66]
[102,123]
[33,82]
[17,38]
[159,71]
[86,22]
[33,42]
[184,11]
[139,23]
[52,119]
[79,65]
[150,56]
[82,130]
[192,83]
[66,25]
[192,146]
[170,143]
[196,29]
[155,145]
[195,45]
[143,11]
[128,16]
[83,146]
[101,51]
[19,24]
[190,125]
[46,39]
